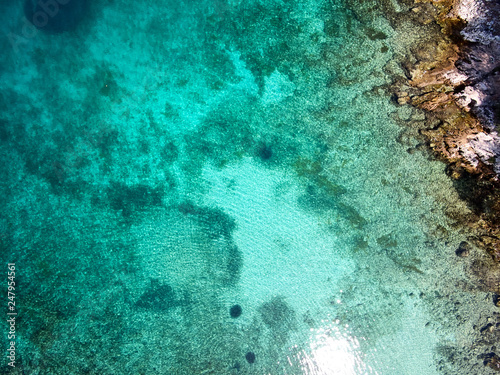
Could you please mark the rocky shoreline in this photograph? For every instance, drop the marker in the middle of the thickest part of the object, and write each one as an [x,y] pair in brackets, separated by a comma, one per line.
[456,80]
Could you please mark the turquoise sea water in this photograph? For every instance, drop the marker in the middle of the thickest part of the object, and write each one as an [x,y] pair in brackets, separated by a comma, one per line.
[164,162]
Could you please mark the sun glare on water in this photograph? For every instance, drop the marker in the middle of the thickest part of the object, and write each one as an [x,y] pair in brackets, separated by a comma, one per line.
[333,351]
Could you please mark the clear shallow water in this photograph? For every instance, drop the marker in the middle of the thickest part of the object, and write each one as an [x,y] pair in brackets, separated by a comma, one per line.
[163,163]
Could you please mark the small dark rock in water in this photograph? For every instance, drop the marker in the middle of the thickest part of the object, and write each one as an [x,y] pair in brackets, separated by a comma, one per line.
[463,249]
[250,356]
[492,360]
[496,300]
[235,311]
[488,328]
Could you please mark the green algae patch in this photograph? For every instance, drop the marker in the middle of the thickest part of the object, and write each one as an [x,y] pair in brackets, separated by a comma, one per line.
[387,241]
[407,264]
[352,215]
[131,199]
[160,297]
[217,221]
[313,170]
[373,34]
[277,314]
[325,194]
[170,112]
[360,244]
[224,136]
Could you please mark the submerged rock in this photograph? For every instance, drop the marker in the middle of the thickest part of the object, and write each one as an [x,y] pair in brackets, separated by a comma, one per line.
[250,357]
[463,249]
[56,16]
[235,311]
[159,297]
[493,361]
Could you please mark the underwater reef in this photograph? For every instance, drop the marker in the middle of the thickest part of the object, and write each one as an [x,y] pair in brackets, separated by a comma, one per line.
[55,17]
[455,78]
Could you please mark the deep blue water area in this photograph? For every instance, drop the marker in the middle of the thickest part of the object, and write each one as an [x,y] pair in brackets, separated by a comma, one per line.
[226,187]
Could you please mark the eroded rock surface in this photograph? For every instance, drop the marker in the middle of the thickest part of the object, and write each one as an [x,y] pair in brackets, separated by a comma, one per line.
[456,78]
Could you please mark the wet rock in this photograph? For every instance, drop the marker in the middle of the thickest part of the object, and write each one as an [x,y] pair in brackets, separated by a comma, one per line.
[464,71]
[488,328]
[492,360]
[455,79]
[403,98]
[463,249]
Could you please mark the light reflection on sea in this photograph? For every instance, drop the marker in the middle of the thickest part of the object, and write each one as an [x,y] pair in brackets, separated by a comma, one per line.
[332,351]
